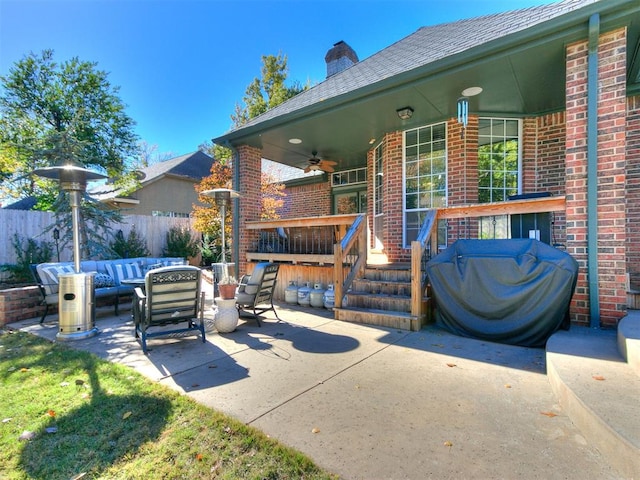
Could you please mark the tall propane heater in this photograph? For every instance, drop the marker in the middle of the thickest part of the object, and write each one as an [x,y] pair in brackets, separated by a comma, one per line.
[223,197]
[76,295]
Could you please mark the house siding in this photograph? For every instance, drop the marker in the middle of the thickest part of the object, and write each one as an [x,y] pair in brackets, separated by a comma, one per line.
[154,197]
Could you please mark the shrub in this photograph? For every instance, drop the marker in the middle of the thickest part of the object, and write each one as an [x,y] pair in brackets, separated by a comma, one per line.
[133,246]
[180,243]
[31,253]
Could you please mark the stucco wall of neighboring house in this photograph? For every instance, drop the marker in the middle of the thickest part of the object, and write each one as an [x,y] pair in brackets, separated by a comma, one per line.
[167,194]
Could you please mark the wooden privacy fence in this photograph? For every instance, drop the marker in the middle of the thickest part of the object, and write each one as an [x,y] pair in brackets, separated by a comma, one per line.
[31,224]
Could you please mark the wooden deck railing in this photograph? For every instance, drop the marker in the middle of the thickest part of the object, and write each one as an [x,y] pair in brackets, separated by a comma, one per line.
[421,251]
[299,240]
[426,244]
[342,241]
[350,257]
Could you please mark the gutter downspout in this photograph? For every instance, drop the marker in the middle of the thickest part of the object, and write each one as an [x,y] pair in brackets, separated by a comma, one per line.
[592,171]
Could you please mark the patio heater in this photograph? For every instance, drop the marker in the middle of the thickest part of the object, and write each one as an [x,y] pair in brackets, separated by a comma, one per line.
[76,293]
[222,197]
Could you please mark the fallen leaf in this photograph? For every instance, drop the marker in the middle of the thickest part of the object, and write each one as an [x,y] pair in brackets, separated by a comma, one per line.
[598,377]
[51,413]
[451,365]
[126,415]
[549,414]
[79,382]
[506,385]
[199,457]
[27,435]
[315,430]
[24,369]
[448,444]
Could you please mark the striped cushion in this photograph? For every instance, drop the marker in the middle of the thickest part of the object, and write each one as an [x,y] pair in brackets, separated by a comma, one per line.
[122,271]
[50,276]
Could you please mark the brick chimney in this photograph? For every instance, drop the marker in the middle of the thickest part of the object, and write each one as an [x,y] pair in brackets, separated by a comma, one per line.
[339,58]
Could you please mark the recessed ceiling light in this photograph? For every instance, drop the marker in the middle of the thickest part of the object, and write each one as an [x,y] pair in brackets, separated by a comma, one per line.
[295,141]
[471,91]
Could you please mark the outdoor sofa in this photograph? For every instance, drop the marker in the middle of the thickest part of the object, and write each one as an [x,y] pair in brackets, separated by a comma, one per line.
[107,280]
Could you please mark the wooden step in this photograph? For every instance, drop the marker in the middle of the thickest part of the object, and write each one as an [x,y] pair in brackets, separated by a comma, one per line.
[383,318]
[382,302]
[381,287]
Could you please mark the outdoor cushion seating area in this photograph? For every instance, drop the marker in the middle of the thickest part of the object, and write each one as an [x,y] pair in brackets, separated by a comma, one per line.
[255,291]
[108,279]
[171,295]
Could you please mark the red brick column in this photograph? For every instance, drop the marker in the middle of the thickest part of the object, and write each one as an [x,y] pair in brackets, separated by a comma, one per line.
[393,206]
[611,174]
[250,162]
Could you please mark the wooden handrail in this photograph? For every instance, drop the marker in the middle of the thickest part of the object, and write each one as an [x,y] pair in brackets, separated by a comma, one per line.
[418,246]
[323,221]
[510,207]
[357,232]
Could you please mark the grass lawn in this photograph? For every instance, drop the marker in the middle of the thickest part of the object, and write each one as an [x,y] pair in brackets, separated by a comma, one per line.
[68,414]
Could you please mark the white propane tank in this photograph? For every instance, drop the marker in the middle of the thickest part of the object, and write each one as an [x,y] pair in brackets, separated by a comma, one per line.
[291,293]
[316,296]
[329,297]
[304,295]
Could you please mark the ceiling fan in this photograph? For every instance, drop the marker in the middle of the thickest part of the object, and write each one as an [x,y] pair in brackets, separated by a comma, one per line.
[316,163]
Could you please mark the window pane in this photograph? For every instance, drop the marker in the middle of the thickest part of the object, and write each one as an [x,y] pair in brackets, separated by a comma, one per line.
[498,158]
[425,172]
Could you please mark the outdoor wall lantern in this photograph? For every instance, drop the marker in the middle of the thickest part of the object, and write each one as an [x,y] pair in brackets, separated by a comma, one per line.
[405,113]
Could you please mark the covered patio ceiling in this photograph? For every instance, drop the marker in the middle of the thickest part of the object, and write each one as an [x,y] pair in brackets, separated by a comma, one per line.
[524,76]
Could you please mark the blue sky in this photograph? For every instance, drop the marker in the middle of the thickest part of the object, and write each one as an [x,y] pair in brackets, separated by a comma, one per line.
[182,65]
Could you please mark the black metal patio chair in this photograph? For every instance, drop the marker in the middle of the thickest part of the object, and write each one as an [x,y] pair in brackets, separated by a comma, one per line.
[171,296]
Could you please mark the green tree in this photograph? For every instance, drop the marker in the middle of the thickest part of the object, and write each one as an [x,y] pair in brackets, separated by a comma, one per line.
[51,113]
[266,92]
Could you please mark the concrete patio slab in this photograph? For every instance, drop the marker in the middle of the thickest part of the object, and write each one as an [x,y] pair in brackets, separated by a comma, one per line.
[367,402]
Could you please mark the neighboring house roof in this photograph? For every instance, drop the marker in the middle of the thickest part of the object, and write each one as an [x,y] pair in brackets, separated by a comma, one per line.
[194,166]
[517,57]
[23,204]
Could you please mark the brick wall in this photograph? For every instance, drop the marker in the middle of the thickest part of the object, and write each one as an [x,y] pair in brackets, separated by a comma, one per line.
[633,189]
[543,163]
[307,200]
[20,304]
[611,174]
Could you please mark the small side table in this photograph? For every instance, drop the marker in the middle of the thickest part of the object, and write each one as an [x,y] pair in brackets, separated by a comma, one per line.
[226,317]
